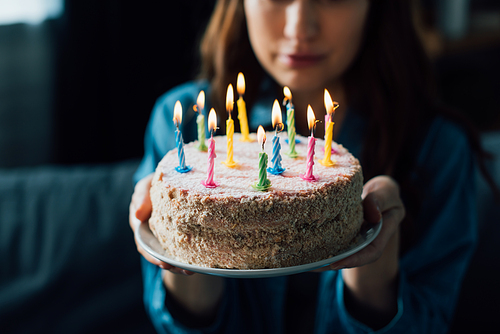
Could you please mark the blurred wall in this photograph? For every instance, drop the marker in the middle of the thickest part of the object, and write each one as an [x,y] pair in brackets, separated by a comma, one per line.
[27,76]
[80,88]
[114,59]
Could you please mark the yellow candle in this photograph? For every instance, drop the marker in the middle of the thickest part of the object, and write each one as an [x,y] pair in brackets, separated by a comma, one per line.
[327,161]
[229,128]
[242,109]
[330,108]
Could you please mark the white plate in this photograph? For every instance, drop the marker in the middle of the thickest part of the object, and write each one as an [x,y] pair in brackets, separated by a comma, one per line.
[148,241]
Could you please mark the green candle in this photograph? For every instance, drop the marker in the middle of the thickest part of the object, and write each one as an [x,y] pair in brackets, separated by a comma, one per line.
[264,183]
[200,121]
[290,123]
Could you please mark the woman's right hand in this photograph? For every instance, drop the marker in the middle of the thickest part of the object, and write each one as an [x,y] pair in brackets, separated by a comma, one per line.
[139,212]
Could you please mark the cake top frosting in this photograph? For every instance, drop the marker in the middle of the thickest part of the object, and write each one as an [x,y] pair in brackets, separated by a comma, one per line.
[236,182]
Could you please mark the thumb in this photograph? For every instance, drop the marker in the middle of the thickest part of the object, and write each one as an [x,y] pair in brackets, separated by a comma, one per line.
[143,206]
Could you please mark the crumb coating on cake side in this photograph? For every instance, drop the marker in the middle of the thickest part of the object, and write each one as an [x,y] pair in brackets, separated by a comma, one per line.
[235,226]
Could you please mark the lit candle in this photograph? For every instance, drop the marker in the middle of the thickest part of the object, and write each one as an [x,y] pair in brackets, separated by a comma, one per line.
[328,102]
[200,121]
[182,168]
[330,109]
[278,126]
[212,125]
[264,183]
[290,122]
[311,120]
[242,109]
[229,128]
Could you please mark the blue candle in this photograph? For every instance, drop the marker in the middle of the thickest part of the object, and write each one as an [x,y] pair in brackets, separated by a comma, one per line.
[278,126]
[179,142]
[276,158]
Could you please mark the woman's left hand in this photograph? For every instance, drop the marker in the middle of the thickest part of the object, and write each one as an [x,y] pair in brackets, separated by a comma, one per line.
[372,280]
[381,200]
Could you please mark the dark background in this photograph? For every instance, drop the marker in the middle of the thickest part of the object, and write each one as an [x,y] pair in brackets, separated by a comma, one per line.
[78,90]
[115,59]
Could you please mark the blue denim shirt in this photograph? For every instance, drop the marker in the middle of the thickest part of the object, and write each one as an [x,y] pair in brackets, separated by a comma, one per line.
[430,272]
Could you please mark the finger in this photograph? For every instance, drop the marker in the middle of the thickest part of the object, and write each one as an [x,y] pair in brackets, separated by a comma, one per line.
[380,201]
[139,212]
[367,255]
[371,210]
[161,264]
[150,258]
[179,271]
[382,192]
[132,219]
[381,197]
[322,269]
[375,249]
[142,199]
[140,205]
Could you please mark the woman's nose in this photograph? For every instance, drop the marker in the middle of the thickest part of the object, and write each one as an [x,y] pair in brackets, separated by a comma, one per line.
[301,20]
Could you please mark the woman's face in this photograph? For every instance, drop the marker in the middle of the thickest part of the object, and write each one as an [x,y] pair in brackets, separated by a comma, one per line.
[306,44]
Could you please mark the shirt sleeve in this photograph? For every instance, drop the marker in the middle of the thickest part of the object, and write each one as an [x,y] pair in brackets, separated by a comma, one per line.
[253,305]
[155,295]
[431,272]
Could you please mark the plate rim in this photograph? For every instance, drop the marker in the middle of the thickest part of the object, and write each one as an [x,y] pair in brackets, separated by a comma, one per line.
[143,231]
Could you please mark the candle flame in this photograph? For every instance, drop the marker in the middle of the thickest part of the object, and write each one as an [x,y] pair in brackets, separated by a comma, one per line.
[212,120]
[177,113]
[328,103]
[311,119]
[276,114]
[229,99]
[201,101]
[287,92]
[261,136]
[240,84]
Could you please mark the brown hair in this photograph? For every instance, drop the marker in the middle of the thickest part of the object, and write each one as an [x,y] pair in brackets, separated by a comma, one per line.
[226,51]
[391,82]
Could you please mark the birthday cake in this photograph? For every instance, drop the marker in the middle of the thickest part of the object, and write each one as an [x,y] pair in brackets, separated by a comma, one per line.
[236,226]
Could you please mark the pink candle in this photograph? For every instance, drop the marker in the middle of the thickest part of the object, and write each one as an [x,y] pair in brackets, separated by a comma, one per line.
[308,175]
[212,123]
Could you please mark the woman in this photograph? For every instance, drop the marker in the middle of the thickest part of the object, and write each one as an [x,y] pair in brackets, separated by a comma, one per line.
[368,56]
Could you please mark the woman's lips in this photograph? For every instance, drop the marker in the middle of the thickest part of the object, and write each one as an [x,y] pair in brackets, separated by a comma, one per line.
[297,60]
